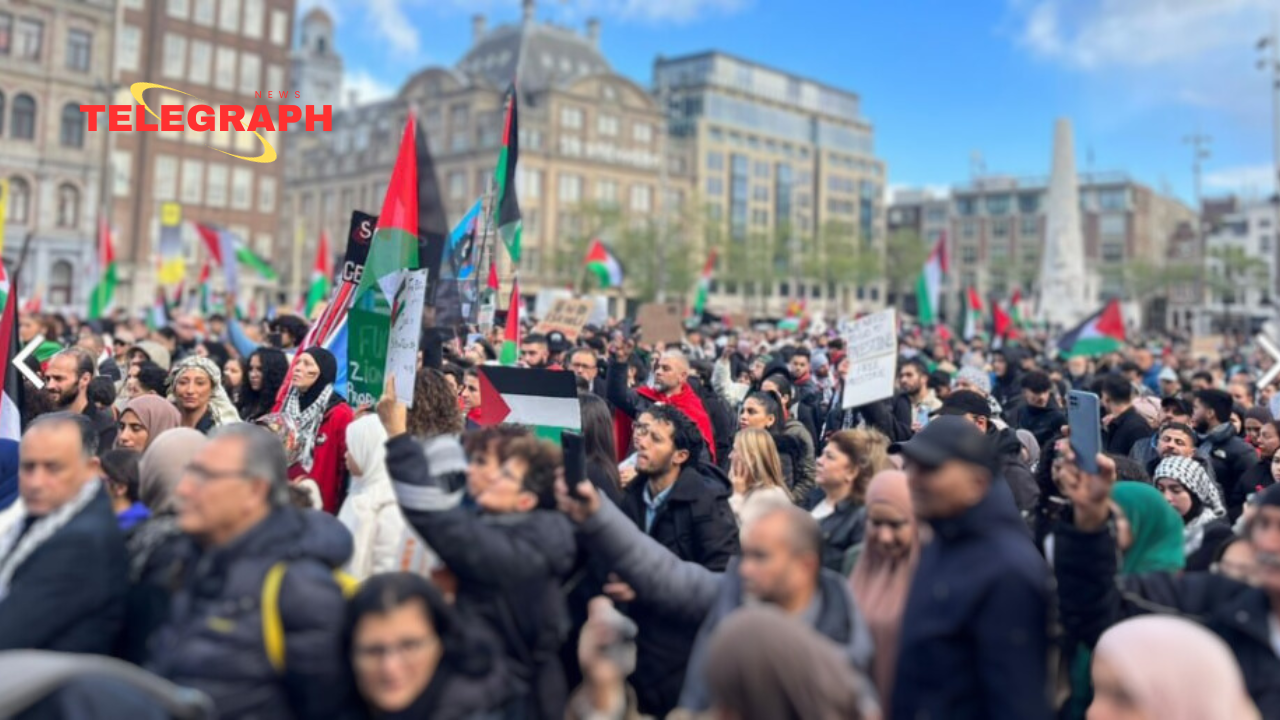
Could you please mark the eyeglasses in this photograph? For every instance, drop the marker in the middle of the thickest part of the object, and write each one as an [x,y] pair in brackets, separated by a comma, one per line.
[374,654]
[203,475]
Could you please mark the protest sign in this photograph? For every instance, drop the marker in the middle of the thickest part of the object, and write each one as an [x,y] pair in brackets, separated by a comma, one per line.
[407,290]
[872,343]
[358,237]
[567,316]
[661,322]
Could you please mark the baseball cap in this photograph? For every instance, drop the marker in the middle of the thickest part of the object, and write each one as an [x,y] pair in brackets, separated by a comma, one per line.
[1168,375]
[946,438]
[965,402]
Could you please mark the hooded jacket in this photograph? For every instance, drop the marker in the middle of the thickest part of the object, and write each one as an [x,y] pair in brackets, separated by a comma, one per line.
[1231,457]
[1026,493]
[1126,430]
[975,628]
[1043,422]
[213,640]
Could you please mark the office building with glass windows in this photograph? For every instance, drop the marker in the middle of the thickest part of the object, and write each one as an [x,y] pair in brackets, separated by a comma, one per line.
[786,169]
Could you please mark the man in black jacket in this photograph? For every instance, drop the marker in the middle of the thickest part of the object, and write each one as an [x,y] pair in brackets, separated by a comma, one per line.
[1230,456]
[1039,413]
[1093,595]
[63,579]
[1006,448]
[684,505]
[1127,427]
[509,559]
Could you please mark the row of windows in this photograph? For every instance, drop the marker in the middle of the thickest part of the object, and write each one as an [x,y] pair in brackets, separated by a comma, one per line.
[195,182]
[754,142]
[1028,203]
[24,39]
[802,290]
[19,210]
[22,121]
[202,63]
[574,118]
[229,17]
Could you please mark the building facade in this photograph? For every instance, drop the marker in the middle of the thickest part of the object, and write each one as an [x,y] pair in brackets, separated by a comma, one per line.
[792,189]
[316,66]
[54,57]
[221,52]
[1240,276]
[588,136]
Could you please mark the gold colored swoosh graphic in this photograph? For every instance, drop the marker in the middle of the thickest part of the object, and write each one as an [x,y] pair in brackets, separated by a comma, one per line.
[136,89]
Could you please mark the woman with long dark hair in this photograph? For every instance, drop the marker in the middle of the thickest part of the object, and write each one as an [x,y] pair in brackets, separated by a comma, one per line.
[763,410]
[264,376]
[597,432]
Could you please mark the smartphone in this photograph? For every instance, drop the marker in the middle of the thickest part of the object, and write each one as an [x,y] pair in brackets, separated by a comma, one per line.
[575,460]
[1084,417]
[922,416]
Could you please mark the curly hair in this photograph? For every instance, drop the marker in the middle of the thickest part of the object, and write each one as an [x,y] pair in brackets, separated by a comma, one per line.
[868,451]
[542,460]
[435,408]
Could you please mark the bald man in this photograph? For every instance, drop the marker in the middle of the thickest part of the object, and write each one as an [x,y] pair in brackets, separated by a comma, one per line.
[670,386]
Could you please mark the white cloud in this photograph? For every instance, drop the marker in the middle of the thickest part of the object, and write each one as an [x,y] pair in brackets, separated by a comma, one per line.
[1099,34]
[393,25]
[1250,180]
[366,87]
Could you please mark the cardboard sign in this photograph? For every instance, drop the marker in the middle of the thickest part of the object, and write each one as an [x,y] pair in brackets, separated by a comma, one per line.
[873,352]
[567,316]
[1209,346]
[661,322]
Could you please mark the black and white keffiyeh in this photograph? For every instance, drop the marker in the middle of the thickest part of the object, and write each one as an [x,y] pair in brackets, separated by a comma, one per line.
[15,551]
[1192,475]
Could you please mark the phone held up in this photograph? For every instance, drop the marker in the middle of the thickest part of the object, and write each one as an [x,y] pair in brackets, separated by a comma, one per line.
[1084,417]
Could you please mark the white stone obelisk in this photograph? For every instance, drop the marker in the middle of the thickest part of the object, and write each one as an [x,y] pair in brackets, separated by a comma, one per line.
[1067,294]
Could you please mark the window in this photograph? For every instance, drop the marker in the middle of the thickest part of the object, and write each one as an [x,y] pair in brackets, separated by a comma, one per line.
[998,252]
[175,56]
[1030,226]
[968,229]
[642,133]
[570,189]
[459,124]
[28,39]
[966,206]
[68,206]
[715,186]
[60,283]
[1112,251]
[229,15]
[275,81]
[835,183]
[192,181]
[760,193]
[6,32]
[179,9]
[19,200]
[1028,203]
[1111,224]
[457,184]
[760,218]
[242,189]
[482,181]
[607,125]
[121,171]
[253,19]
[528,183]
[203,13]
[225,69]
[24,118]
[267,194]
[607,192]
[279,27]
[72,134]
[1000,227]
[715,211]
[250,73]
[1113,199]
[968,254]
[570,118]
[761,170]
[79,46]
[201,59]
[998,204]
[1264,243]
[216,186]
[166,178]
[641,198]
[715,161]
[129,46]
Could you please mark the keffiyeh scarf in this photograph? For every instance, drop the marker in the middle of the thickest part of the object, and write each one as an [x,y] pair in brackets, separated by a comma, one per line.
[307,420]
[1192,475]
[15,552]
[220,405]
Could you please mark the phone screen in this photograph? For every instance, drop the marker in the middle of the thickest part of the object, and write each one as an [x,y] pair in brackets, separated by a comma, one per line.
[1084,417]
[575,460]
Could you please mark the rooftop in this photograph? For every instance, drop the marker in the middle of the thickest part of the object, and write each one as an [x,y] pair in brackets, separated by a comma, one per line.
[553,56]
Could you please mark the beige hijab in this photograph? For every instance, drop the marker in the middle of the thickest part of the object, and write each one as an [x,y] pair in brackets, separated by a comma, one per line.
[880,583]
[1175,669]
[162,465]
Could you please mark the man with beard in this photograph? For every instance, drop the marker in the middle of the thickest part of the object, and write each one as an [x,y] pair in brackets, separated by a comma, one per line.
[1126,427]
[1079,375]
[1040,413]
[670,386]
[67,383]
[535,352]
[1175,439]
[913,383]
[683,505]
[1230,456]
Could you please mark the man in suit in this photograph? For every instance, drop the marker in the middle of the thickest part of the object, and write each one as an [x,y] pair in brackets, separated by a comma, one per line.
[63,568]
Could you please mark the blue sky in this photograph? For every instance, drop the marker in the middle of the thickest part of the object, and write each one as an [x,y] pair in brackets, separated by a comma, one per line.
[939,79]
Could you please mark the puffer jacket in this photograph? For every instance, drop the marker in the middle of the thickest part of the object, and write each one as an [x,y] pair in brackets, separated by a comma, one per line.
[383,542]
[841,530]
[213,640]
[1231,457]
[807,474]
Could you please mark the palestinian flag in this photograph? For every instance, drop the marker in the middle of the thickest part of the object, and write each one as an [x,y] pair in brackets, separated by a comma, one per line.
[704,285]
[104,292]
[511,331]
[1102,333]
[972,315]
[10,402]
[224,246]
[545,401]
[1015,310]
[1003,324]
[604,265]
[508,206]
[929,283]
[320,283]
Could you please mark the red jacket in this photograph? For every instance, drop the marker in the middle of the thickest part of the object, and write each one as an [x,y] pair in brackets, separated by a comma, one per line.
[329,460]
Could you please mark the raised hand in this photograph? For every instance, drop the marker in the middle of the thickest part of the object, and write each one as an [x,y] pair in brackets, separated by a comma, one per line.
[393,414]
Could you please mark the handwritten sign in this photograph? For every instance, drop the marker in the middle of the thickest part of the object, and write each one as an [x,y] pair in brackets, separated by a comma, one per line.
[660,322]
[567,316]
[873,354]
[407,302]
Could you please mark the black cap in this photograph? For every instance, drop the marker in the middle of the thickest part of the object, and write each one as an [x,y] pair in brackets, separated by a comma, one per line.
[965,402]
[556,342]
[944,439]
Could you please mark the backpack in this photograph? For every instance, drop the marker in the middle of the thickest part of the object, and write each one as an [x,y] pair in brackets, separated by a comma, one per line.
[273,624]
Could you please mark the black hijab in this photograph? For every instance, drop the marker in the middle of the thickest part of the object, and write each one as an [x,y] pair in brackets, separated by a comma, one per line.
[328,375]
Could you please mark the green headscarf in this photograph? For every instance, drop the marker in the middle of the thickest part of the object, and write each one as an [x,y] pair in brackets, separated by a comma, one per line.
[1156,530]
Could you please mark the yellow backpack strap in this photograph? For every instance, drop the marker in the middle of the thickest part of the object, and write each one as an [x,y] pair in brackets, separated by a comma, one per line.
[346,583]
[272,625]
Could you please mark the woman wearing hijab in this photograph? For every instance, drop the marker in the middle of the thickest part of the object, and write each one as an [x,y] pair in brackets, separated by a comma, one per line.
[144,419]
[195,388]
[370,511]
[802,676]
[882,575]
[264,376]
[321,416]
[1163,667]
[1187,487]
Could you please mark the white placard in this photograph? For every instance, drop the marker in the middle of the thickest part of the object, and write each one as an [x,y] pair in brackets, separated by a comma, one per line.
[406,328]
[872,343]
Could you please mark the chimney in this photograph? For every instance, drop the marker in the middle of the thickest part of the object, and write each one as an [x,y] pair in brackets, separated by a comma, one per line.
[593,32]
[528,11]
[478,27]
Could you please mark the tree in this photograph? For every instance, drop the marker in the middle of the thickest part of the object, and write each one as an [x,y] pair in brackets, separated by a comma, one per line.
[839,255]
[904,256]
[1233,275]
[633,239]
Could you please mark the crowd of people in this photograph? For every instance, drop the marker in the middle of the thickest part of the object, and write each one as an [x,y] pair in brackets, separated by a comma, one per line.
[202,505]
